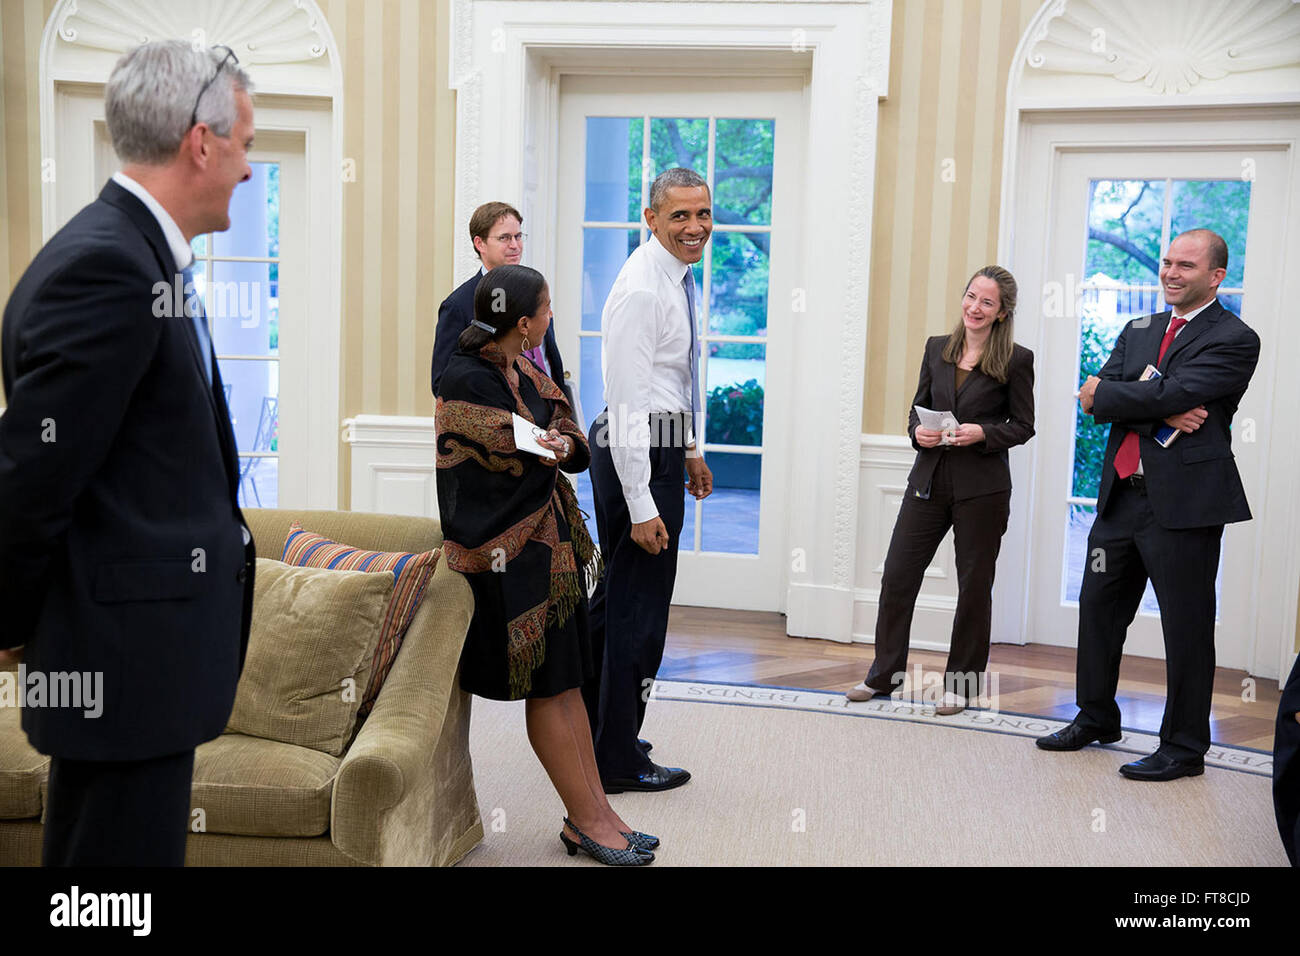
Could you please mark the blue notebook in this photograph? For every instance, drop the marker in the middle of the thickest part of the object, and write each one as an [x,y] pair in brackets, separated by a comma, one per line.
[1164,435]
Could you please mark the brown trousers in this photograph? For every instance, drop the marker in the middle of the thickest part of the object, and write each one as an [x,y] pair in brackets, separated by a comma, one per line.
[978,524]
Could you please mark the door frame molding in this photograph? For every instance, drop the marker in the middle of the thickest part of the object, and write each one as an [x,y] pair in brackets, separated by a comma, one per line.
[507,58]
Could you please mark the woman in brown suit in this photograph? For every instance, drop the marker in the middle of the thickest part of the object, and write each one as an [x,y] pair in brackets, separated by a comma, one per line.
[960,480]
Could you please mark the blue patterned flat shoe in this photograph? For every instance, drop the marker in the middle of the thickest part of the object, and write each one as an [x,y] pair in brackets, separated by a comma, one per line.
[632,856]
[642,841]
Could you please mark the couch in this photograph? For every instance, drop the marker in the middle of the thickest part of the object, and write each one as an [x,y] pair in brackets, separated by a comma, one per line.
[401,794]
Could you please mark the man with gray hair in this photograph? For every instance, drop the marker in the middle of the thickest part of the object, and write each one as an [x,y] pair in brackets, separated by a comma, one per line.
[644,452]
[123,551]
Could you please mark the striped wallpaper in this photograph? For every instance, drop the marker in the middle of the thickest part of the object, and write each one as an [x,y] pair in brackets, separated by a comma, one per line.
[938,181]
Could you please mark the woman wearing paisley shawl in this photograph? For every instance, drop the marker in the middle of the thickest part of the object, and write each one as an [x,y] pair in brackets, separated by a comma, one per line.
[512,526]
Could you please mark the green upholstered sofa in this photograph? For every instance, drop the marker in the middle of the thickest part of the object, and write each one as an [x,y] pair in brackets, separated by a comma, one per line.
[401,794]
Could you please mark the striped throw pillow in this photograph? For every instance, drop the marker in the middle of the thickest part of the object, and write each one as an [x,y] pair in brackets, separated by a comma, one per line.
[412,570]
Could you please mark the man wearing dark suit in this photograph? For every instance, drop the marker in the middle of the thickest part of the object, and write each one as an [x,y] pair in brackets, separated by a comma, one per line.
[495,230]
[1161,511]
[123,552]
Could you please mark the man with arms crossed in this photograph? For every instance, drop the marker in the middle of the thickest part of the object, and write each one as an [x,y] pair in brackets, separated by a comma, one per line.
[643,450]
[1161,511]
[123,551]
[496,231]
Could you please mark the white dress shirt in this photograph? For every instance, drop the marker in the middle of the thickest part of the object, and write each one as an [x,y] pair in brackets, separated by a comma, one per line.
[180,249]
[1174,315]
[646,360]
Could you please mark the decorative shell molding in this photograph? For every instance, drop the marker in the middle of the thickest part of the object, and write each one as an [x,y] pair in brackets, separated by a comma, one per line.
[259,31]
[1168,45]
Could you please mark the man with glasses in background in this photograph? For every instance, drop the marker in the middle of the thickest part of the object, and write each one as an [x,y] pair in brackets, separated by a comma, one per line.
[124,558]
[496,229]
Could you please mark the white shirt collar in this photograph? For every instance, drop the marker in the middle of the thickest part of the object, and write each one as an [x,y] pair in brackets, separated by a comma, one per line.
[1194,313]
[674,267]
[180,249]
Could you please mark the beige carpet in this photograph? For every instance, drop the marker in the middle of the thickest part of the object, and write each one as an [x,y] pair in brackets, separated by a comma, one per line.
[778,785]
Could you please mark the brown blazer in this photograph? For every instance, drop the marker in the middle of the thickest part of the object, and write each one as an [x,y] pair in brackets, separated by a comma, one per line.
[1005,411]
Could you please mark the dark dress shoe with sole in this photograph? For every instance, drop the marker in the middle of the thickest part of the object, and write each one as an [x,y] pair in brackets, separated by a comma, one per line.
[1074,737]
[658,778]
[645,745]
[1160,766]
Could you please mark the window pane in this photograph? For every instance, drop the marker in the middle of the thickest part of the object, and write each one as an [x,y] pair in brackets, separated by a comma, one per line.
[259,482]
[243,315]
[1222,205]
[1124,221]
[200,245]
[252,394]
[738,295]
[603,253]
[687,541]
[734,413]
[731,512]
[743,171]
[1232,303]
[613,173]
[679,142]
[254,216]
[591,389]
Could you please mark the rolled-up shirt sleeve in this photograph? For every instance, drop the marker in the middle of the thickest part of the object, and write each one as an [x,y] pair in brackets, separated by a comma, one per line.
[631,326]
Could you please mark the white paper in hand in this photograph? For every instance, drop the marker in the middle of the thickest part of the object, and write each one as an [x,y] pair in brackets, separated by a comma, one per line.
[936,421]
[526,435]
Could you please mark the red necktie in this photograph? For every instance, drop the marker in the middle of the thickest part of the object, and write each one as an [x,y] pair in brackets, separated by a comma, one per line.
[1128,456]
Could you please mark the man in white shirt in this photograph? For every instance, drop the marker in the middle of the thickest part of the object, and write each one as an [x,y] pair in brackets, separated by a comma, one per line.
[645,452]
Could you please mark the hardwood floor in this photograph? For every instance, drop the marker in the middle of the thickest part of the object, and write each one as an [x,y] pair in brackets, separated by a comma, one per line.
[751,647]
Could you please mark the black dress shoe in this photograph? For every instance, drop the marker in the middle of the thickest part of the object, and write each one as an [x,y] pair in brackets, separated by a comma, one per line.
[1074,737]
[1159,766]
[645,745]
[658,778]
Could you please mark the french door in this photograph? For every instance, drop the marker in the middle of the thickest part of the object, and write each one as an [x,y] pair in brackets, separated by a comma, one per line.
[745,136]
[1115,213]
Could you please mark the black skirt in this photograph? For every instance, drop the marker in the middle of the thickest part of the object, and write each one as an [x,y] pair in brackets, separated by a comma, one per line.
[484,668]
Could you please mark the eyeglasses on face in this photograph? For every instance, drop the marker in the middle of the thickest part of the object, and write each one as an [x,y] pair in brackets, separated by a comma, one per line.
[230,56]
[508,237]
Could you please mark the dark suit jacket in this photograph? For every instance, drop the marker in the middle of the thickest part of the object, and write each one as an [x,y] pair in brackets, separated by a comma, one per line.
[454,316]
[1005,411]
[122,547]
[1194,482]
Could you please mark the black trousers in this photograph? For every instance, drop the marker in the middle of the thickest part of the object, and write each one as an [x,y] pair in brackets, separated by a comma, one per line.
[978,525]
[629,610]
[118,813]
[1125,547]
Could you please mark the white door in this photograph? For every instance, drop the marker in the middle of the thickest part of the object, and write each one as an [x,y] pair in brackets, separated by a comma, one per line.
[745,135]
[1114,215]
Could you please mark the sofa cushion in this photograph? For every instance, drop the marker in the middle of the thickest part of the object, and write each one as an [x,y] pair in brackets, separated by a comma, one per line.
[310,649]
[22,768]
[413,570]
[254,787]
